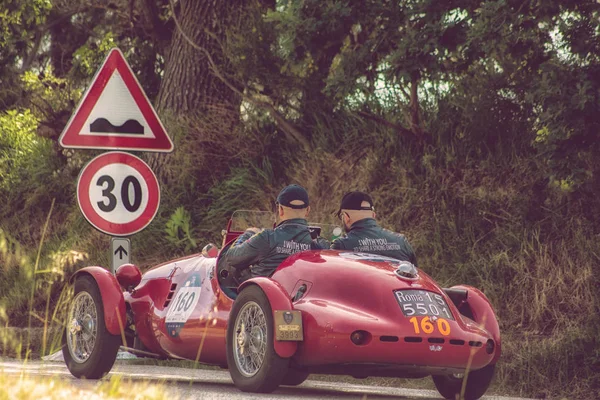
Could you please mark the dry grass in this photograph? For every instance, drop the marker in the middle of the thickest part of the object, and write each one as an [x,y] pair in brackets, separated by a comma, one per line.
[25,388]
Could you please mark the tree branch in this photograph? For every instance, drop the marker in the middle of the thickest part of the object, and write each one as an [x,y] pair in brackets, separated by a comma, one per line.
[385,122]
[404,92]
[36,46]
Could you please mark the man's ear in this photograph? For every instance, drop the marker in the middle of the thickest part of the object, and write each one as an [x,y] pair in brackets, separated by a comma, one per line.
[349,221]
[307,211]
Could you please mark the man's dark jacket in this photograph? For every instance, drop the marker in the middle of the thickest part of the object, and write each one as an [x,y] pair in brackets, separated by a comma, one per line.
[264,251]
[366,236]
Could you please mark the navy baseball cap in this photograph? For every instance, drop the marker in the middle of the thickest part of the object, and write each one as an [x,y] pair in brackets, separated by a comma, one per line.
[291,193]
[354,200]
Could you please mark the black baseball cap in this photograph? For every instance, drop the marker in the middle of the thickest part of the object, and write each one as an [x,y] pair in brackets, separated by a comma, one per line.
[354,200]
[291,193]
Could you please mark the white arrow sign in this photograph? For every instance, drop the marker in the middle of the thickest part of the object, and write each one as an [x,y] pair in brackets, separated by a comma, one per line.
[120,251]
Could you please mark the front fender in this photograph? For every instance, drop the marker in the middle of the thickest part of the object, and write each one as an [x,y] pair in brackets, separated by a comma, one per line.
[483,313]
[112,297]
[279,300]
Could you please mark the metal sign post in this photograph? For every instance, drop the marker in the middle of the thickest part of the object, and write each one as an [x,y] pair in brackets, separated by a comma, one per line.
[120,250]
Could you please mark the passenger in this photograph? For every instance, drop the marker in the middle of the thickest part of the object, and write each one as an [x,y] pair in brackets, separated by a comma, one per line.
[263,251]
[364,235]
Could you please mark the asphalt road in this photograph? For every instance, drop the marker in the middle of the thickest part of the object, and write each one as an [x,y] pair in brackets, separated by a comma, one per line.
[183,383]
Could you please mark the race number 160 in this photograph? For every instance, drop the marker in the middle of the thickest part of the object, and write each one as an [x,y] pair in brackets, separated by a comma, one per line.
[427,326]
[184,301]
[130,193]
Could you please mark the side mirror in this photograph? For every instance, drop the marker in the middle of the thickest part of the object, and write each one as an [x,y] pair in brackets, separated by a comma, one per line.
[210,251]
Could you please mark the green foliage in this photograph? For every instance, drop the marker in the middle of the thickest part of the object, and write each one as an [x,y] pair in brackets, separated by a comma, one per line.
[89,58]
[178,230]
[17,22]
[52,97]
[568,122]
[19,144]
[19,36]
[17,18]
[508,69]
[31,175]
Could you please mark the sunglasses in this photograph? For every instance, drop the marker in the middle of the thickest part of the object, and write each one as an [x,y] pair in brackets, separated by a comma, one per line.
[341,214]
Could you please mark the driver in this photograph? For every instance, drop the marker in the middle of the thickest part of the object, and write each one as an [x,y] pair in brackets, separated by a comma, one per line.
[263,251]
[364,235]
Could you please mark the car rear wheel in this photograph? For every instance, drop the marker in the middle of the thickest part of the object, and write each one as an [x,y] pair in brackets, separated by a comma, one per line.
[88,348]
[477,383]
[294,377]
[253,363]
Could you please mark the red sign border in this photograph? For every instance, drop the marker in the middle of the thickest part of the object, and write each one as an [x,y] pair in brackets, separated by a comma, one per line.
[83,186]
[71,138]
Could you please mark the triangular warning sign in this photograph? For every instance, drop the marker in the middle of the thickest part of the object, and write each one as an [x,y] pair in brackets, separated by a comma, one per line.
[115,114]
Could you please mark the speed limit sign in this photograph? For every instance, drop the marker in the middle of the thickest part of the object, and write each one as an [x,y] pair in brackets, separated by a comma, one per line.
[118,193]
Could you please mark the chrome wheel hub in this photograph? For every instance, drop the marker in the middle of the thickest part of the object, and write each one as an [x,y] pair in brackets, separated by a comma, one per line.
[82,329]
[251,339]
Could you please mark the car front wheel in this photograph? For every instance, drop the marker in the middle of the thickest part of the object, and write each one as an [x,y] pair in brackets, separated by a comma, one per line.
[253,363]
[88,348]
[477,383]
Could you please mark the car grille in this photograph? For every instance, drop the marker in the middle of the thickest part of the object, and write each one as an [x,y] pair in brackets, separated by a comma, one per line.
[170,295]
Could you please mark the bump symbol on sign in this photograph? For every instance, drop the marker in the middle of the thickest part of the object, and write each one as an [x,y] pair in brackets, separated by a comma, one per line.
[115,113]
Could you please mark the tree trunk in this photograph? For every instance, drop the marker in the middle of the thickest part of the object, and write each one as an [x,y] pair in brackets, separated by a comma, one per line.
[414,104]
[189,85]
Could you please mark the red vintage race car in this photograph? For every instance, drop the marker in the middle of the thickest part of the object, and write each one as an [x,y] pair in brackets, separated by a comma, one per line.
[323,312]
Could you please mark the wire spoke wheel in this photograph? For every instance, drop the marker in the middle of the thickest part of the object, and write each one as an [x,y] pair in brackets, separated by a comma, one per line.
[251,339]
[253,362]
[89,349]
[83,327]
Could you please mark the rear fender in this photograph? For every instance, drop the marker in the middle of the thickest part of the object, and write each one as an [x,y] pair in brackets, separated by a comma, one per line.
[112,297]
[483,313]
[279,300]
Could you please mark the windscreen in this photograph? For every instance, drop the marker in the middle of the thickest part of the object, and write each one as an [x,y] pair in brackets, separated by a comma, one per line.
[244,219]
[328,231]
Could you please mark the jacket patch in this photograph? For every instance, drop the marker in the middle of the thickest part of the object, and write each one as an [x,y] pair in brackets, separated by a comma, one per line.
[370,245]
[291,247]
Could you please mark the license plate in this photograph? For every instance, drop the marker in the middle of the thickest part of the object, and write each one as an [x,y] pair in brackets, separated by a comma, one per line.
[288,325]
[421,303]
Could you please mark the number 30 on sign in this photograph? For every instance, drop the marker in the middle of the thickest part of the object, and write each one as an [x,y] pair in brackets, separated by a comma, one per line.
[118,193]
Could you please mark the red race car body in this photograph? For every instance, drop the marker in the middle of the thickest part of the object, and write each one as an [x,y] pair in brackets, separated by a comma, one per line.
[327,311]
